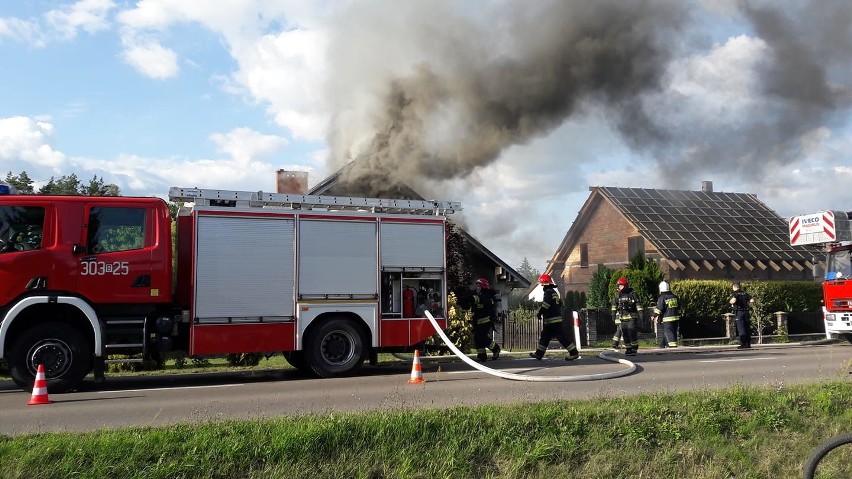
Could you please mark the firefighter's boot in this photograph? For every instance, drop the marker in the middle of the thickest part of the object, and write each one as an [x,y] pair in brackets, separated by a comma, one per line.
[537,355]
[572,354]
[615,344]
[495,353]
[482,357]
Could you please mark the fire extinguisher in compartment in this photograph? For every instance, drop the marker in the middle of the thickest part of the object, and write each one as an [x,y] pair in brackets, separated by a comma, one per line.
[408,303]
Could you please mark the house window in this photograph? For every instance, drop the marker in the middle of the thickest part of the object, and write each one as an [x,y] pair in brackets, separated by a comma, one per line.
[635,245]
[584,255]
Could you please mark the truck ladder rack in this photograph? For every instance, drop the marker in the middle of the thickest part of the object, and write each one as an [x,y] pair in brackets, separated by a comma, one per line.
[259,199]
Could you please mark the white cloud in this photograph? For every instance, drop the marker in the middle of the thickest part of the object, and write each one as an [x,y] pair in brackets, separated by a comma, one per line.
[88,15]
[22,31]
[154,176]
[152,59]
[59,24]
[286,71]
[283,70]
[24,141]
[245,144]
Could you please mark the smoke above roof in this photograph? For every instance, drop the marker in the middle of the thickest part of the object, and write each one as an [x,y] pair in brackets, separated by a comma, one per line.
[421,90]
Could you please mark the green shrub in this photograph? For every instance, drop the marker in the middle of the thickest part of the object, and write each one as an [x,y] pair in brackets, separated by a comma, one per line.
[709,298]
[702,298]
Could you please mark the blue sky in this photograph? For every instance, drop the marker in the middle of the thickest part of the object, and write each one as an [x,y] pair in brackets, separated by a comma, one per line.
[753,96]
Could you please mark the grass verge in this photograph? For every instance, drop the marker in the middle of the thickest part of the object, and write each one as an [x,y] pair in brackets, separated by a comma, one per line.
[741,432]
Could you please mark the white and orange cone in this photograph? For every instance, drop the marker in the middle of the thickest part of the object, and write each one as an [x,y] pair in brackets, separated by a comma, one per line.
[39,389]
[416,371]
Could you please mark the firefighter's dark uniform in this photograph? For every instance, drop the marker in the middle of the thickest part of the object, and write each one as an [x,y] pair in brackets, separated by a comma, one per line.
[551,314]
[741,312]
[626,308]
[483,323]
[667,312]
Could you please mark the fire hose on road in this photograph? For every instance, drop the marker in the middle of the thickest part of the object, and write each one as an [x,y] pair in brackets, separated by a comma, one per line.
[521,377]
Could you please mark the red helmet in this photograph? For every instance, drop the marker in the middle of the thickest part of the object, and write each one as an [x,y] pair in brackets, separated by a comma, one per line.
[545,279]
[483,283]
[622,281]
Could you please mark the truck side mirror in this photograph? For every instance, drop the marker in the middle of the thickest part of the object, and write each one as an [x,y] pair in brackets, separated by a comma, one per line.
[78,249]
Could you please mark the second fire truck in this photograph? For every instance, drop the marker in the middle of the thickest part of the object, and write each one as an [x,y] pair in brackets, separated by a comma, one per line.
[832,230]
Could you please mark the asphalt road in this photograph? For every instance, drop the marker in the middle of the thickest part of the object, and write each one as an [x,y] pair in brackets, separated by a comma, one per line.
[169,399]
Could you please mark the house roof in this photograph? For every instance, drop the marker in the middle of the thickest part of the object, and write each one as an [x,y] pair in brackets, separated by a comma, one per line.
[514,278]
[697,226]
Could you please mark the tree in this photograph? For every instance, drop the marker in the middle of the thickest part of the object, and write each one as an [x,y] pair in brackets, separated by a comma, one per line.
[459,271]
[65,185]
[68,185]
[49,188]
[96,187]
[527,271]
[518,297]
[23,183]
[599,296]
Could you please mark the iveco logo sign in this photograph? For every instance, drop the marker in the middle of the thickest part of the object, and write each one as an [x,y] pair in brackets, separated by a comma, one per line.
[807,221]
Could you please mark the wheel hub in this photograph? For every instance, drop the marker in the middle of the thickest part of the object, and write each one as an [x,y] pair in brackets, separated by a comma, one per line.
[53,354]
[337,347]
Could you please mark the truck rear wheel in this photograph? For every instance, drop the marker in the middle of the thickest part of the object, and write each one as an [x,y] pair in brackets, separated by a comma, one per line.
[336,348]
[64,352]
[848,336]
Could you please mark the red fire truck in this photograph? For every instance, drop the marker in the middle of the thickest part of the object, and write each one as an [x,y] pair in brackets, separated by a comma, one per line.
[833,230]
[325,280]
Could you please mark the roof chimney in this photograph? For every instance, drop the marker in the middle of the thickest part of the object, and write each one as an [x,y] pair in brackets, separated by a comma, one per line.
[707,186]
[291,182]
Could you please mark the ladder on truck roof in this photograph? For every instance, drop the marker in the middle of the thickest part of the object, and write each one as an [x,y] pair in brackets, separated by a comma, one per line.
[260,199]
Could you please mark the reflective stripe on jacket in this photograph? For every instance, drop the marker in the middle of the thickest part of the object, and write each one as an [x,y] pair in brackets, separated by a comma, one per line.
[551,305]
[667,307]
[626,305]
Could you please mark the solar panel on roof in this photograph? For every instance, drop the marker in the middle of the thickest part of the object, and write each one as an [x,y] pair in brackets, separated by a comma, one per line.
[698,224]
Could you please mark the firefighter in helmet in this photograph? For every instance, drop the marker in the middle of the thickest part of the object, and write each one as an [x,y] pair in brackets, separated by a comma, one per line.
[667,314]
[483,310]
[626,309]
[550,312]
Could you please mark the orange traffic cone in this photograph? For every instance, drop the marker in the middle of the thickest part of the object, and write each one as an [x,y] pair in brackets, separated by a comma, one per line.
[39,389]
[416,371]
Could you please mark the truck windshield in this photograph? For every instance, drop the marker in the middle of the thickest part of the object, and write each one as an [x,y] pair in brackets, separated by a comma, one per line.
[839,264]
[21,228]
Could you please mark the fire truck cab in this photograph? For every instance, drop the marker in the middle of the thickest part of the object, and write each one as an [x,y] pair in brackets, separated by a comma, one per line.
[87,280]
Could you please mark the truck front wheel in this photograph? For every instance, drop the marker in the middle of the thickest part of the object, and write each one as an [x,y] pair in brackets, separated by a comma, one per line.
[336,348]
[848,336]
[64,352]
